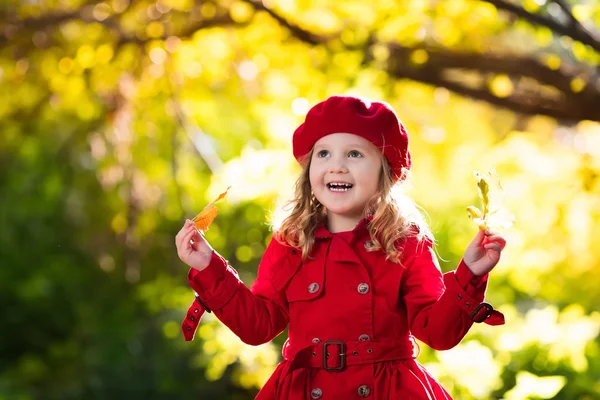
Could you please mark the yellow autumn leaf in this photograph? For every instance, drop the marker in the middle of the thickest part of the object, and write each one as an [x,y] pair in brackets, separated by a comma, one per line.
[493,215]
[203,220]
[474,212]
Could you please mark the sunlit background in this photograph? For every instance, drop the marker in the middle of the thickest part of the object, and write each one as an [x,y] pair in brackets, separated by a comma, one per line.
[121,118]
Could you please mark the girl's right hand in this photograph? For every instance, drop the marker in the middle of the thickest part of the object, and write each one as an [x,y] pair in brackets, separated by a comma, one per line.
[197,254]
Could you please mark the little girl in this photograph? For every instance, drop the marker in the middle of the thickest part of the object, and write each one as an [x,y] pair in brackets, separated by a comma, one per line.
[351,270]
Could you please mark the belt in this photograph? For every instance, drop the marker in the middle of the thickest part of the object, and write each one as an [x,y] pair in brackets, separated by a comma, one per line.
[335,355]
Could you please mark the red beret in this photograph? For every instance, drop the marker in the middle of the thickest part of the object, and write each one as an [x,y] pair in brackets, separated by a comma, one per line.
[374,121]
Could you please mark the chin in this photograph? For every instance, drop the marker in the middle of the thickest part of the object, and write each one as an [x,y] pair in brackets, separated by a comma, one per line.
[345,212]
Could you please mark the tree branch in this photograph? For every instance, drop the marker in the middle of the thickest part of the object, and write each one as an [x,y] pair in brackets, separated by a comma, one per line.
[516,66]
[299,33]
[220,20]
[575,23]
[568,106]
[547,22]
[84,13]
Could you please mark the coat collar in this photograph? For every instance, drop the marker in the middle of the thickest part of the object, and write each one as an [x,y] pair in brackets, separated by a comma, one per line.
[359,230]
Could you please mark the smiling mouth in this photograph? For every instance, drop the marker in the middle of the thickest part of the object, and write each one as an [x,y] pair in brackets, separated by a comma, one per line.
[339,187]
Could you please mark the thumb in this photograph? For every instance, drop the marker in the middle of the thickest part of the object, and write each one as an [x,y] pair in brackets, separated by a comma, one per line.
[201,242]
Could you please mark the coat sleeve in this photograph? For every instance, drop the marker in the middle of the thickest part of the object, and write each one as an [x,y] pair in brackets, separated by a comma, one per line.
[255,315]
[441,308]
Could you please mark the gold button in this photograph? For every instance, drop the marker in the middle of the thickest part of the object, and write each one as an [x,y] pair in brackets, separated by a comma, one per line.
[313,287]
[363,288]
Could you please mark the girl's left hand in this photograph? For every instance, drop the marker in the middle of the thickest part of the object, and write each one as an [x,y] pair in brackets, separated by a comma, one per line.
[483,253]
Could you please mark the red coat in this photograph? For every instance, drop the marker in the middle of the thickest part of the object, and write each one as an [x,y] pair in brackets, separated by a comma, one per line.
[351,315]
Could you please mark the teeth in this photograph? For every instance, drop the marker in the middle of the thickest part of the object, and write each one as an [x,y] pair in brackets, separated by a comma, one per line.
[339,187]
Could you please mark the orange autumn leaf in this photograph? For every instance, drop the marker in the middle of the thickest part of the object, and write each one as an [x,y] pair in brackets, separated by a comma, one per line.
[208,214]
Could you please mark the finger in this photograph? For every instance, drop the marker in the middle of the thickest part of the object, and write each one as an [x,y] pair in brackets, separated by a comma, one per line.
[495,237]
[195,238]
[190,235]
[498,239]
[199,237]
[493,246]
[185,242]
[179,237]
[491,232]
[182,231]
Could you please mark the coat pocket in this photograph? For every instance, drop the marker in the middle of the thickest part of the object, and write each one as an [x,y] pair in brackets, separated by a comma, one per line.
[308,282]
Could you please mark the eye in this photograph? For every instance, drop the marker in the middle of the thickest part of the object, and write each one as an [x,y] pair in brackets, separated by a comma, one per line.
[354,154]
[322,153]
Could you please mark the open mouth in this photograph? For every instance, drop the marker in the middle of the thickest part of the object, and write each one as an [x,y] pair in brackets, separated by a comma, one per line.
[339,186]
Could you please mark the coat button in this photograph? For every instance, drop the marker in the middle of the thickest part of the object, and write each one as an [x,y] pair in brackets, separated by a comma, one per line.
[316,340]
[369,244]
[364,391]
[316,393]
[363,288]
[364,338]
[313,287]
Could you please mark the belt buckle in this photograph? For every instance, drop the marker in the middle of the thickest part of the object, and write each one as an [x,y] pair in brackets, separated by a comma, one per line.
[342,355]
[488,311]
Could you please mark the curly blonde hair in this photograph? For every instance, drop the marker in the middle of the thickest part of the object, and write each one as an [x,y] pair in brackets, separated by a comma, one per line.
[395,215]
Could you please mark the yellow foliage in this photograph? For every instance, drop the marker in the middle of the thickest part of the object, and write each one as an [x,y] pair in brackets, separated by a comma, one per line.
[472,365]
[530,386]
[86,56]
[256,362]
[119,223]
[241,12]
[419,56]
[577,85]
[501,86]
[155,29]
[553,61]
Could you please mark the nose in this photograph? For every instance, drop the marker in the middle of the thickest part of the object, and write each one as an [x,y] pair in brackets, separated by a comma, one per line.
[338,166]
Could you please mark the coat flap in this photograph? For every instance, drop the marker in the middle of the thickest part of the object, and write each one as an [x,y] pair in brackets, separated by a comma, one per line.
[308,282]
[285,268]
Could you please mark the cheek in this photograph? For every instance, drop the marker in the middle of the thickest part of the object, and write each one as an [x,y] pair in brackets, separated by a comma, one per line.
[371,180]
[314,176]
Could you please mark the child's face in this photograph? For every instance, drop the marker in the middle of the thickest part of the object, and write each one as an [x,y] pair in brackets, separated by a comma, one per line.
[354,164]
